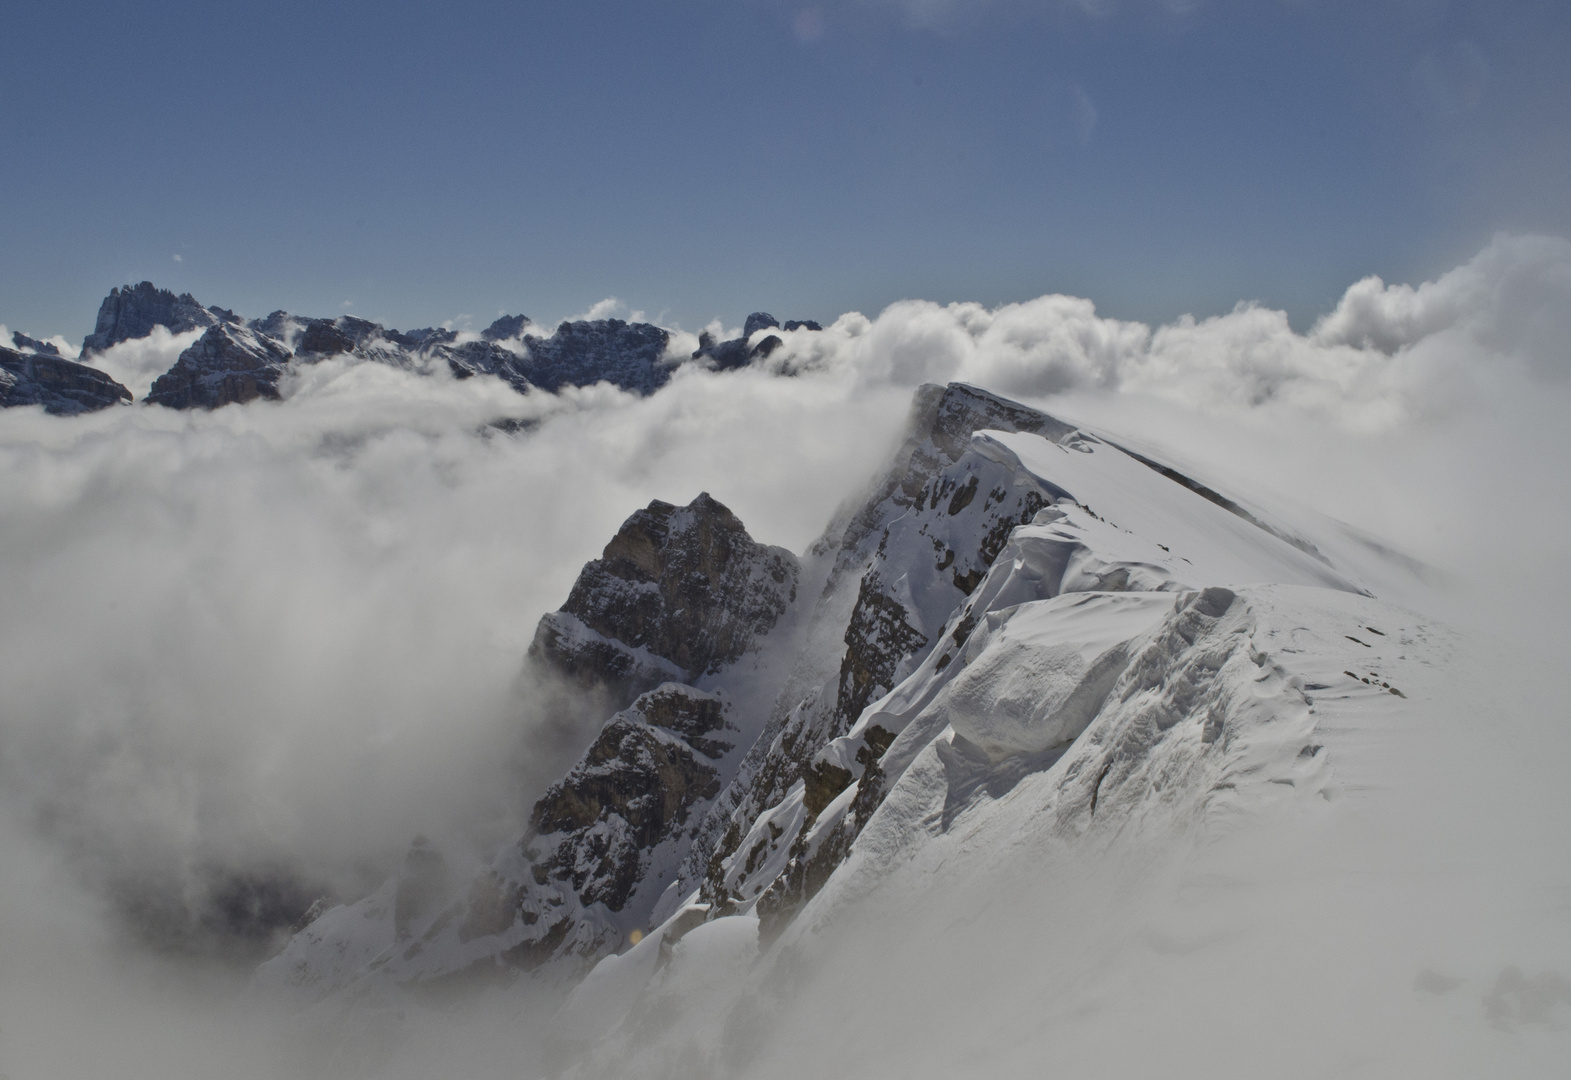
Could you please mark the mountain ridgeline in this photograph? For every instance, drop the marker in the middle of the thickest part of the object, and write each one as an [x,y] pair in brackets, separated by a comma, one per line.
[780,732]
[236,360]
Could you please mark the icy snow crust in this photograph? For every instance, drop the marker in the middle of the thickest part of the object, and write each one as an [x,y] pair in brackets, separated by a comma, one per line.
[1025,638]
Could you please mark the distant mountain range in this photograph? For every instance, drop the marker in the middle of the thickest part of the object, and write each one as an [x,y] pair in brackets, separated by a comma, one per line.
[237,359]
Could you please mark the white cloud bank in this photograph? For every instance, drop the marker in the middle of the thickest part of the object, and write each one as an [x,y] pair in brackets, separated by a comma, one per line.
[1385,356]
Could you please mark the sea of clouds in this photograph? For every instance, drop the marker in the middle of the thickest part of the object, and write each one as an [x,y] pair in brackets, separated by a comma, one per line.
[263,648]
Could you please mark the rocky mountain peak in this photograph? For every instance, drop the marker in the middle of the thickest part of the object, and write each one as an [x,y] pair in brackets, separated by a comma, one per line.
[330,337]
[678,592]
[741,351]
[63,387]
[26,344]
[627,354]
[759,320]
[229,363]
[132,311]
[638,782]
[949,415]
[508,326]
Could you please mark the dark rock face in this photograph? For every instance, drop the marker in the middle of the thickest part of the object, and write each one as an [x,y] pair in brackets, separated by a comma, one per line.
[630,792]
[227,364]
[63,387]
[280,326]
[324,338]
[878,639]
[629,355]
[508,326]
[486,358]
[250,909]
[738,352]
[424,337]
[686,585]
[759,320]
[586,871]
[330,337]
[133,310]
[26,344]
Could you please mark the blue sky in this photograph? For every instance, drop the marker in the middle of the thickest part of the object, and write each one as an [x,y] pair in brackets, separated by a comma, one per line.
[699,158]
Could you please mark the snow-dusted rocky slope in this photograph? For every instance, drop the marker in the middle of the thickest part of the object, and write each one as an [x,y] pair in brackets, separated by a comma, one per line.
[1023,632]
[36,374]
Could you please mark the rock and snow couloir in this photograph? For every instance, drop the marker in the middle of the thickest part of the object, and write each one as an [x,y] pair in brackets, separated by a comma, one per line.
[1022,630]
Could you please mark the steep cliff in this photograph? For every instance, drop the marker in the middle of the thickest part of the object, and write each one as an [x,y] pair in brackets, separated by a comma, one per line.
[132,311]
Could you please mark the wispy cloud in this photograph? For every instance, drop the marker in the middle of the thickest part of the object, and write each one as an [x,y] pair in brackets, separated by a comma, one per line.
[936,14]
[1085,114]
[808,24]
[602,309]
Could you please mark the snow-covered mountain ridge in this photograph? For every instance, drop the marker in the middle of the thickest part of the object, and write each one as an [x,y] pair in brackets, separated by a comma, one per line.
[1022,630]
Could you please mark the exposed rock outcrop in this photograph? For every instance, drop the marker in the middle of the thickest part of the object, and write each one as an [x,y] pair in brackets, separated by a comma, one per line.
[132,311]
[330,337]
[630,355]
[25,344]
[63,387]
[636,785]
[679,592]
[507,326]
[739,352]
[228,364]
